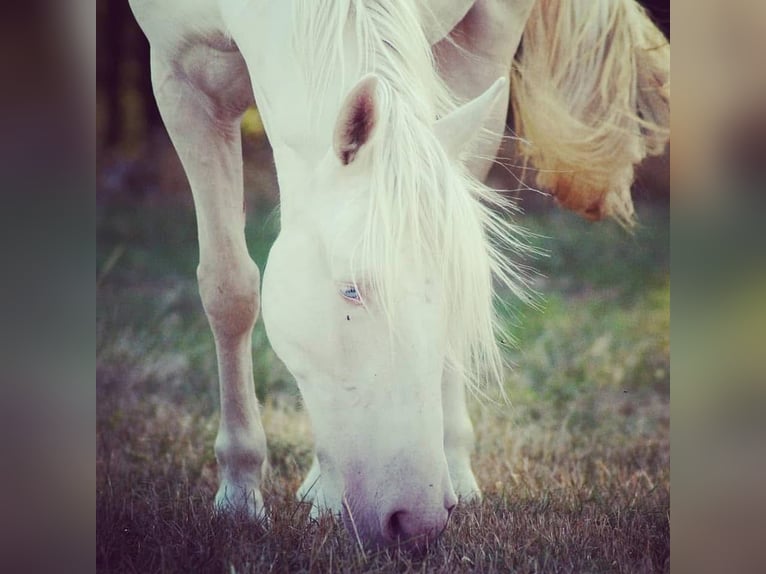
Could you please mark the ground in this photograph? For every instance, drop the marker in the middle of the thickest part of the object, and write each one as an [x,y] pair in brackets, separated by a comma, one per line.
[575,470]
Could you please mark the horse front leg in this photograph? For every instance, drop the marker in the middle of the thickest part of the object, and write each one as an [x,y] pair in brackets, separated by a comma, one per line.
[202,106]
[311,490]
[458,437]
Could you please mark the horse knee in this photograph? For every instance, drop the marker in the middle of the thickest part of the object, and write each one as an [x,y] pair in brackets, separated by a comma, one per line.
[230,297]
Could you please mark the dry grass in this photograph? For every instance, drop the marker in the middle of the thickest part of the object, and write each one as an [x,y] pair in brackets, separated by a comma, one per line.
[575,474]
[554,502]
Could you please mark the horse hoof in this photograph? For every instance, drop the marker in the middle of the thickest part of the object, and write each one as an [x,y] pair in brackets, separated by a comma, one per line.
[465,485]
[240,501]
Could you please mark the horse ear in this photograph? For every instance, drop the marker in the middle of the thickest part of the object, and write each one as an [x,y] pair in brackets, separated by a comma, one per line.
[456,130]
[357,119]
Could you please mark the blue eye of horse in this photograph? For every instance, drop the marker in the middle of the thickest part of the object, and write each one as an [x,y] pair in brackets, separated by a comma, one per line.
[350,292]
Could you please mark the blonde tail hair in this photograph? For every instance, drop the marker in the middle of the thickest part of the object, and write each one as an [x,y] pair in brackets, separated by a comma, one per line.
[591,98]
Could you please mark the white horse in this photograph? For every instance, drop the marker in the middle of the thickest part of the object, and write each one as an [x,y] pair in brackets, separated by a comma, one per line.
[378,291]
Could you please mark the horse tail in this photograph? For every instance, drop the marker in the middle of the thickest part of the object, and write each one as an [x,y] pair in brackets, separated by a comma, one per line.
[591,98]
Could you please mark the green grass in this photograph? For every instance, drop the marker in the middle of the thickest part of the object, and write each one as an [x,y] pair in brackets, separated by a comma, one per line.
[575,471]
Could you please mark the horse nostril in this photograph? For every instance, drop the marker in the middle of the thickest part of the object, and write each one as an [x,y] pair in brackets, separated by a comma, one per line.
[450,509]
[406,526]
[393,528]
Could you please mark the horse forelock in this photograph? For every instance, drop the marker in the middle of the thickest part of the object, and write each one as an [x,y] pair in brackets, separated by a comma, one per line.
[420,201]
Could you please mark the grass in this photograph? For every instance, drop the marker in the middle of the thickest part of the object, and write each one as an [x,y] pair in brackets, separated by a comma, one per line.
[575,472]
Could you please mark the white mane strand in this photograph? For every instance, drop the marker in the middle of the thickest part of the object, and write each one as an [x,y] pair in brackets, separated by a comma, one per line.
[420,203]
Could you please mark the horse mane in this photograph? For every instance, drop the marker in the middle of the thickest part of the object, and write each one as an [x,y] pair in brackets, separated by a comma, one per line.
[421,202]
[591,95]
